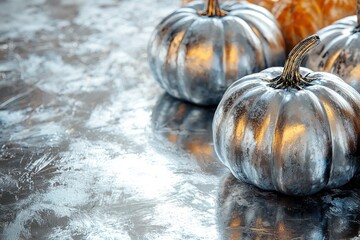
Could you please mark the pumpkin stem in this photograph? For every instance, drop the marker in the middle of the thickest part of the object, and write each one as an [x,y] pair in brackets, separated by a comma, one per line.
[291,76]
[213,9]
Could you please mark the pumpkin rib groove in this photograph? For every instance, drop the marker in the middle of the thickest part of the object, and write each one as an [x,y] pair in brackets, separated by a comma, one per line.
[249,40]
[256,23]
[172,83]
[247,159]
[330,61]
[329,132]
[335,98]
[181,60]
[156,46]
[260,52]
[277,185]
[162,38]
[195,83]
[294,128]
[222,79]
[224,118]
[238,154]
[339,58]
[234,90]
[259,141]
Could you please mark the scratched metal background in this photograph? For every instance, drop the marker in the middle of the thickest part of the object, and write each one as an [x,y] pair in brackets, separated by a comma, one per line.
[92,148]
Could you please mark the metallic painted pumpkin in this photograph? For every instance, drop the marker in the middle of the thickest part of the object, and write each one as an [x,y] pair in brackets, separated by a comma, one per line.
[195,55]
[299,19]
[246,212]
[187,127]
[290,129]
[339,51]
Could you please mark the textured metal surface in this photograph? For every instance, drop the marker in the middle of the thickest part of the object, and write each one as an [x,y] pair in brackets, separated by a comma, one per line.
[196,58]
[84,146]
[339,50]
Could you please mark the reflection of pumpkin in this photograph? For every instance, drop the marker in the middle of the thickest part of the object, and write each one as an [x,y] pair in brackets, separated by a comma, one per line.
[301,18]
[339,50]
[187,126]
[290,129]
[246,212]
[195,54]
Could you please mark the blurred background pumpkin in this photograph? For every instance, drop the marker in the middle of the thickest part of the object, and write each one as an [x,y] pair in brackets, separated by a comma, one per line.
[301,18]
[339,50]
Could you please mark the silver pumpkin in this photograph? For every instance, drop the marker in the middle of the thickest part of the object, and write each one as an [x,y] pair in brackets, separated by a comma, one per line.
[195,55]
[290,129]
[339,50]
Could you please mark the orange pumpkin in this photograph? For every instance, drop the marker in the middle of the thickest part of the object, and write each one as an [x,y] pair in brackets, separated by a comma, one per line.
[300,18]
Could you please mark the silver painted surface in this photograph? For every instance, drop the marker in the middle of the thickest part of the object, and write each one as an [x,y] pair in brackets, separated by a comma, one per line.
[195,58]
[82,147]
[294,141]
[339,51]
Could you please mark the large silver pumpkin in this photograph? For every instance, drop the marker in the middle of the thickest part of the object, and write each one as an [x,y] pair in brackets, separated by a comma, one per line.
[339,50]
[195,55]
[246,212]
[290,129]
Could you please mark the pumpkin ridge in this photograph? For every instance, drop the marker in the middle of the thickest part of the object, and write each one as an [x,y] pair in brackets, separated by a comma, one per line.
[340,59]
[260,56]
[329,162]
[261,143]
[331,97]
[274,173]
[265,43]
[180,63]
[238,153]
[154,49]
[171,51]
[221,122]
[330,61]
[222,79]
[253,42]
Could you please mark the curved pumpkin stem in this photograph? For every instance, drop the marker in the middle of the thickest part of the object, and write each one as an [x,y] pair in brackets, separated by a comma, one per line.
[291,76]
[213,9]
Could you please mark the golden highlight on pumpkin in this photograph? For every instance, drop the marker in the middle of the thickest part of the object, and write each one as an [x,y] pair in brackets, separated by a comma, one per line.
[201,56]
[174,46]
[290,134]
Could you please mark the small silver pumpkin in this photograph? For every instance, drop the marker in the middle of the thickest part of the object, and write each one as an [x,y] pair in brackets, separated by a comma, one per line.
[339,50]
[290,129]
[195,55]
